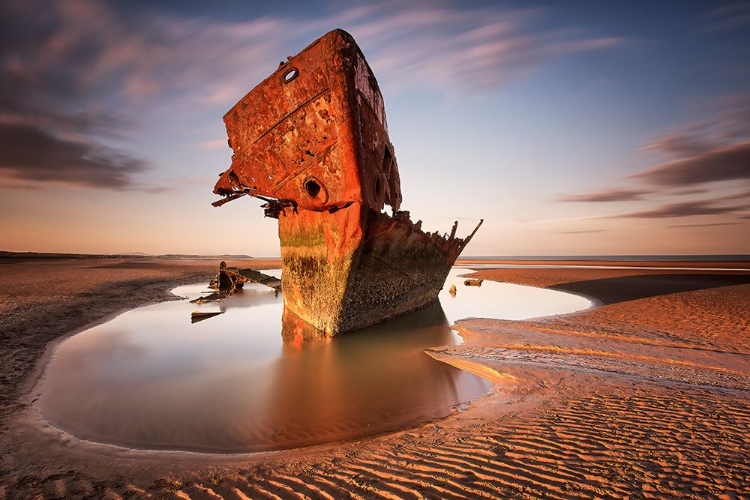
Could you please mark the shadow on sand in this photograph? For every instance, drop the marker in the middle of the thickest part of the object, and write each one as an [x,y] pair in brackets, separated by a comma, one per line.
[625,288]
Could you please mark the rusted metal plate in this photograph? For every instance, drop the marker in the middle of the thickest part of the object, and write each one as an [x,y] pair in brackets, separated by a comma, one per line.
[312,140]
[299,135]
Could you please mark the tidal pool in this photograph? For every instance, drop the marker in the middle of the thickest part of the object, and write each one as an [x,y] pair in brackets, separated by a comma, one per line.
[150,379]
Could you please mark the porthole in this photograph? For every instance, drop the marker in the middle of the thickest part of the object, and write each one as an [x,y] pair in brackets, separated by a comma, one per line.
[290,75]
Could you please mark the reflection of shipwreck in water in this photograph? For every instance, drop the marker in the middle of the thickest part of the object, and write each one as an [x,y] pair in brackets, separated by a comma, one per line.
[312,142]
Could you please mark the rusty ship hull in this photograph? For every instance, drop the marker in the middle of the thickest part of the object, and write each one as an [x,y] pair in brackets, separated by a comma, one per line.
[312,142]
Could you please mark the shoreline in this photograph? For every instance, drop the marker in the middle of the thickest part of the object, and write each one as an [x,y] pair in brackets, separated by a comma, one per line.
[540,368]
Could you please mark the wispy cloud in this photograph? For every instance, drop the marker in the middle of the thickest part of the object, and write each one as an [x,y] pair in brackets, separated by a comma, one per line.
[742,195]
[681,145]
[705,225]
[720,164]
[607,195]
[713,150]
[455,50]
[214,144]
[78,76]
[583,231]
[689,191]
[37,157]
[734,16]
[686,209]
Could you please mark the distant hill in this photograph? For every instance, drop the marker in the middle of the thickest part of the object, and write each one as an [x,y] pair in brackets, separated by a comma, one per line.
[224,256]
[5,255]
[650,258]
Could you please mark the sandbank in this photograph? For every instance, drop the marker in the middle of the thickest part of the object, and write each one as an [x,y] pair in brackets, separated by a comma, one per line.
[647,394]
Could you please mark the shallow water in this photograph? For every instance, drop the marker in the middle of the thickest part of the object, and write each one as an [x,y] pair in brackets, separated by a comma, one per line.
[151,379]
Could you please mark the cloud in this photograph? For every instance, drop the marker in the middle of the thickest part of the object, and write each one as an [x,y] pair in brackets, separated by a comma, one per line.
[712,150]
[48,122]
[722,164]
[718,205]
[729,17]
[584,231]
[686,209]
[31,156]
[607,195]
[743,195]
[214,144]
[706,225]
[689,191]
[680,145]
[460,49]
[78,76]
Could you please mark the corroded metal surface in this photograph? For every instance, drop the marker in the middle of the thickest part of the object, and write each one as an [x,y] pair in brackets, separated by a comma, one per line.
[312,141]
[298,134]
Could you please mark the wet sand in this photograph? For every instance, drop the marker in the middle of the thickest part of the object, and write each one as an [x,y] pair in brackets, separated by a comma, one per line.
[645,395]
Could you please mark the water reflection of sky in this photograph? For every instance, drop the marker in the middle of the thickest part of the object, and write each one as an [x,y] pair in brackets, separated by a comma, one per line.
[151,379]
[504,300]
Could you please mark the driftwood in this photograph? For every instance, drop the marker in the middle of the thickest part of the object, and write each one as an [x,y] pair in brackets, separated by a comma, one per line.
[197,316]
[231,279]
[228,280]
[260,278]
[214,297]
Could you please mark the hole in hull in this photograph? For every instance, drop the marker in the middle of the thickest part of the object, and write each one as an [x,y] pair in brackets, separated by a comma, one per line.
[312,188]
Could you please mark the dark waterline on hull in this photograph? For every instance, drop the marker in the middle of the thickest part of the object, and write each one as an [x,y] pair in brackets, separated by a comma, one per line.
[149,379]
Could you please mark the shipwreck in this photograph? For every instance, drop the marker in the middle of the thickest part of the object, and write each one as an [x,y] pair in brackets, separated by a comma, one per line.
[312,142]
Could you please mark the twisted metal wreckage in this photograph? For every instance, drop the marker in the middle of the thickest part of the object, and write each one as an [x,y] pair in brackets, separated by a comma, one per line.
[312,142]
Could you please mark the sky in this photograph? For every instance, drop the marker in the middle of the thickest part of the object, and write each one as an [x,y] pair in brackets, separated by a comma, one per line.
[572,128]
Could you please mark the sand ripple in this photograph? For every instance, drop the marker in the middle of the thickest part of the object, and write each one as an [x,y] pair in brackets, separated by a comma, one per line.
[646,397]
[591,439]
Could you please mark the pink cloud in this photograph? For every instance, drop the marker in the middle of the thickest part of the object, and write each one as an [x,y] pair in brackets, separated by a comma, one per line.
[607,195]
[453,49]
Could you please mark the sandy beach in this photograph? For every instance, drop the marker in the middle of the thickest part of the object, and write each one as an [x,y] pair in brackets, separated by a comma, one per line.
[645,395]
